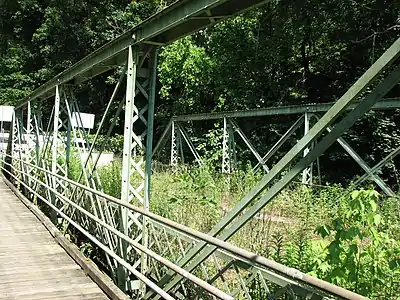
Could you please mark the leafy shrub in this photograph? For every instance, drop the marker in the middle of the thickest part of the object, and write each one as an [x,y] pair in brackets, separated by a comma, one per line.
[359,255]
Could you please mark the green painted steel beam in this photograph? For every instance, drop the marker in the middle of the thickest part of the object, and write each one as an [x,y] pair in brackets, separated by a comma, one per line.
[377,167]
[176,21]
[386,104]
[231,223]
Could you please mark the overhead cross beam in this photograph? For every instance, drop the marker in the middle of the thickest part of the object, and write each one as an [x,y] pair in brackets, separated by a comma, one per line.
[176,21]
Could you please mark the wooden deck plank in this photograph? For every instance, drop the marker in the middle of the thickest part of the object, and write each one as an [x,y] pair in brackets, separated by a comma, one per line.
[32,265]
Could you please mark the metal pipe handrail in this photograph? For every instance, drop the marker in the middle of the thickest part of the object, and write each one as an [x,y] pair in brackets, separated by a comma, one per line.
[208,287]
[262,261]
[139,275]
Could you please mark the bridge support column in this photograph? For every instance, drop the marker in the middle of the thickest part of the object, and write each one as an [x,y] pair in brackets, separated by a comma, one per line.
[228,148]
[58,155]
[307,175]
[136,169]
[32,146]
[174,145]
[13,150]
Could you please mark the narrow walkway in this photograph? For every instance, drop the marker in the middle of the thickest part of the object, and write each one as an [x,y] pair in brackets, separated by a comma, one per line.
[32,265]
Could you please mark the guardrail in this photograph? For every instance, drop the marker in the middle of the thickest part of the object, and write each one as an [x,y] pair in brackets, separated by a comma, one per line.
[230,272]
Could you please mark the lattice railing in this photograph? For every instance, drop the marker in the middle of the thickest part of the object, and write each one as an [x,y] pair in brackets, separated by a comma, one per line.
[228,273]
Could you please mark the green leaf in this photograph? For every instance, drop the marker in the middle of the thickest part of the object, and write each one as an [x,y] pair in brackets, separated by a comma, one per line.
[354,194]
[377,219]
[353,249]
[373,205]
[375,234]
[394,264]
[353,275]
[338,273]
[334,251]
[370,218]
[337,224]
[324,267]
[324,231]
[173,200]
[351,233]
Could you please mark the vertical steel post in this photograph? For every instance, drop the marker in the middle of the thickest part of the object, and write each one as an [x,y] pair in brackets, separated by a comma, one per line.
[28,119]
[68,140]
[10,150]
[28,140]
[174,146]
[137,126]
[15,148]
[54,146]
[232,146]
[149,153]
[226,163]
[126,159]
[180,144]
[307,172]
[20,131]
[37,152]
[31,151]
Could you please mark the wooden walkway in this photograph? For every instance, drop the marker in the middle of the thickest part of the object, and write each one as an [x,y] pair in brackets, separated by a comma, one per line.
[32,265]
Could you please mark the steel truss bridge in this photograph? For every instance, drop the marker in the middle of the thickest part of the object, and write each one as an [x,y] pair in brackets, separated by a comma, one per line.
[176,132]
[146,255]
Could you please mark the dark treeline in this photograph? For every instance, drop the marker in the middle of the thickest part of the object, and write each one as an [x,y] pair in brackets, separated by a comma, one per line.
[287,52]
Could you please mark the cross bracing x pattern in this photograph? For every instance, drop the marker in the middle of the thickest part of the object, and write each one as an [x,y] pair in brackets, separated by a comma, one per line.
[309,113]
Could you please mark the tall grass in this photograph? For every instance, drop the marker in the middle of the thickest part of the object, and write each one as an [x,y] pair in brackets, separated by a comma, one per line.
[285,230]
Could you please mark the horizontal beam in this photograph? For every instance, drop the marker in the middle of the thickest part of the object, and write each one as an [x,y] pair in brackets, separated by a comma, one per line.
[386,104]
[172,23]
